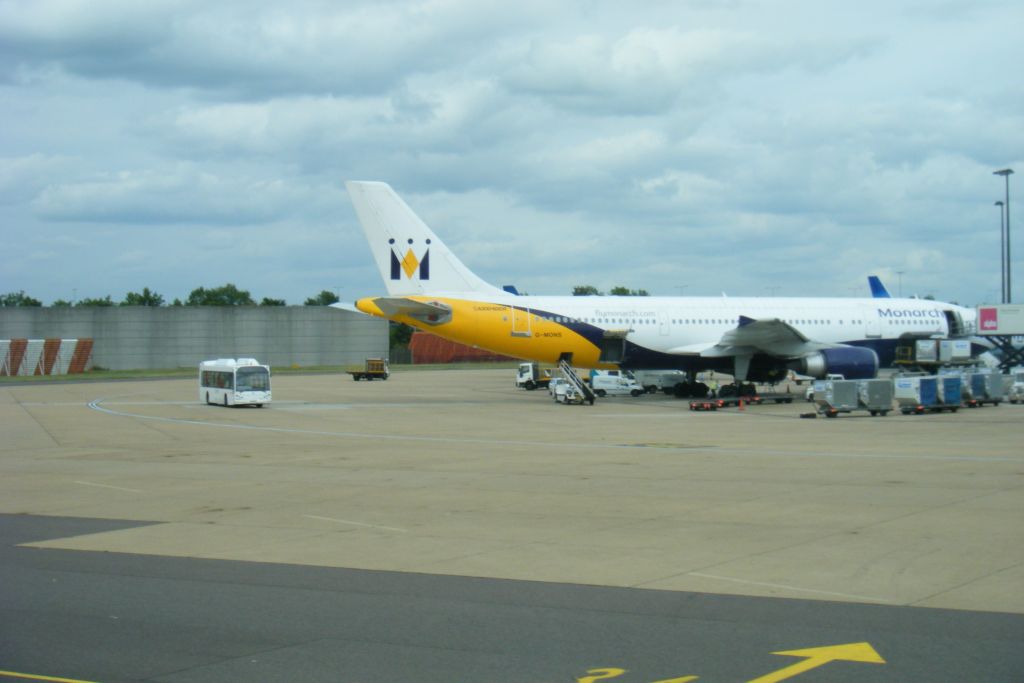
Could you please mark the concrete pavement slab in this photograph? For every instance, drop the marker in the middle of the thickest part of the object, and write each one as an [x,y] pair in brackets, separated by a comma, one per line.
[456,472]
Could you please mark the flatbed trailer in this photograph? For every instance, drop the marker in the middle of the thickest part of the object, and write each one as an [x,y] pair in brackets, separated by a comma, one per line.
[723,402]
[375,368]
[776,397]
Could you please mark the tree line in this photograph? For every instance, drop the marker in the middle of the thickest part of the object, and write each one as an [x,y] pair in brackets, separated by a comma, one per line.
[590,290]
[226,295]
[230,295]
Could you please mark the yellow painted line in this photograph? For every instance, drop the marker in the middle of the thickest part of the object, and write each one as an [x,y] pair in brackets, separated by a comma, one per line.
[36,677]
[820,656]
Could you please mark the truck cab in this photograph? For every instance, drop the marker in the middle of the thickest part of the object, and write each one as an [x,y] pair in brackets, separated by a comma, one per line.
[529,376]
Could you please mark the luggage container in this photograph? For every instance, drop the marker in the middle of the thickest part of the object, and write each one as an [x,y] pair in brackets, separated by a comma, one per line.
[875,395]
[926,351]
[980,388]
[967,387]
[948,393]
[915,394]
[834,396]
[954,350]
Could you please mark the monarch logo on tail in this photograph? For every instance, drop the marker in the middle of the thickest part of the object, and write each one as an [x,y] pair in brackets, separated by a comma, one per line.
[409,263]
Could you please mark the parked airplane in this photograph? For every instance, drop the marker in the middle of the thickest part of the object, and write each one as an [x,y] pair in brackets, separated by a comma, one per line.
[757,339]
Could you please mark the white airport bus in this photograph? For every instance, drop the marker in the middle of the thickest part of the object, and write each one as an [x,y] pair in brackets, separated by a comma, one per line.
[232,382]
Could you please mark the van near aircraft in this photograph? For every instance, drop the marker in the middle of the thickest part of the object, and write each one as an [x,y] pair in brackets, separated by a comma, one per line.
[755,339]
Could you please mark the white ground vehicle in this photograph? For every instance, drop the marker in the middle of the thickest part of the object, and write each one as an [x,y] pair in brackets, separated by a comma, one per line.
[809,394]
[1016,392]
[530,376]
[614,383]
[554,384]
[232,382]
[566,393]
[659,380]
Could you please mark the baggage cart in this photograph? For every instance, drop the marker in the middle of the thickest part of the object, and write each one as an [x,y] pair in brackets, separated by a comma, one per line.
[875,396]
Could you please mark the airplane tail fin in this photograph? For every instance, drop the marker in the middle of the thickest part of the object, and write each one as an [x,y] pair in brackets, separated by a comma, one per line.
[878,290]
[410,257]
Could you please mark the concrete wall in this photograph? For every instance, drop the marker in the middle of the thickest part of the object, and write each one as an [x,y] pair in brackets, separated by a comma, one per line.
[145,337]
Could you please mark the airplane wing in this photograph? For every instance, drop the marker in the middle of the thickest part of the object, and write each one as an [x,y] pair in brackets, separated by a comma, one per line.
[772,337]
[778,339]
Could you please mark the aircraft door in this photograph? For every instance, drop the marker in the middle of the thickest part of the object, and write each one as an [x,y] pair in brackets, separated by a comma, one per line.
[954,323]
[613,346]
[663,328]
[872,325]
[520,321]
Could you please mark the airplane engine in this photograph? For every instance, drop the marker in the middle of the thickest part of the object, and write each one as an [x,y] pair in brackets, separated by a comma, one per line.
[852,362]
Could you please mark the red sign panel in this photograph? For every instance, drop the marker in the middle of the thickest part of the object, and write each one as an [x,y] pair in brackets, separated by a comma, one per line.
[988,319]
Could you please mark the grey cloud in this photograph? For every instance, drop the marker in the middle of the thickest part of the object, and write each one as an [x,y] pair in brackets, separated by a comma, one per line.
[247,50]
[180,195]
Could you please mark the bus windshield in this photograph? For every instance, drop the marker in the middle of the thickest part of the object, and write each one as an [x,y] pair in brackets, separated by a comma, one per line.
[252,379]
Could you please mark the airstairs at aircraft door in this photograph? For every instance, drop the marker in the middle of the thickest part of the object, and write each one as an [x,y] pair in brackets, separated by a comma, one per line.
[570,375]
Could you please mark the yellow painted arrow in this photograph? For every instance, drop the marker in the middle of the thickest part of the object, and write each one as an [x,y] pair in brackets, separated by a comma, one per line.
[819,656]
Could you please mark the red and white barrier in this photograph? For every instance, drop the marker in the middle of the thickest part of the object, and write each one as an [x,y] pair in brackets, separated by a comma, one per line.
[44,356]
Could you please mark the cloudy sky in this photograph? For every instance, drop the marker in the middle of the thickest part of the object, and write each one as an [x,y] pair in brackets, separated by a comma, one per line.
[756,148]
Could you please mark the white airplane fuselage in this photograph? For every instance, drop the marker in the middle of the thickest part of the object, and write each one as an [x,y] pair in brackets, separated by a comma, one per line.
[671,332]
[753,338]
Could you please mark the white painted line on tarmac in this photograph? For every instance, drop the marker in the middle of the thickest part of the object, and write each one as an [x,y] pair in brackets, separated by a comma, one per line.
[346,521]
[790,588]
[108,486]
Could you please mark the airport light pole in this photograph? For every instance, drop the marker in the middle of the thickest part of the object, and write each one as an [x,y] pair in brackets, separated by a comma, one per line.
[1006,173]
[1002,250]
